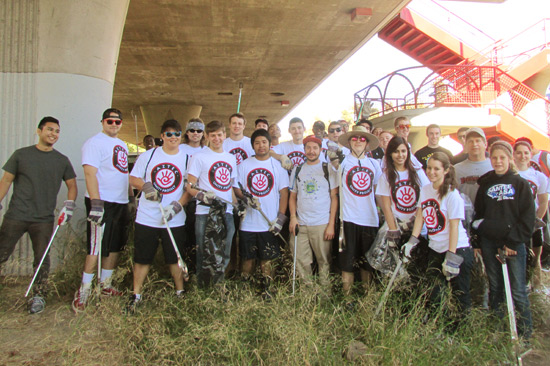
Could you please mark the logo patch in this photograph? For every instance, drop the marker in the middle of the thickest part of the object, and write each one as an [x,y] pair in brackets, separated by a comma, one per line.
[219,175]
[433,217]
[534,188]
[240,154]
[501,192]
[311,186]
[297,157]
[359,180]
[166,178]
[405,197]
[120,159]
[260,182]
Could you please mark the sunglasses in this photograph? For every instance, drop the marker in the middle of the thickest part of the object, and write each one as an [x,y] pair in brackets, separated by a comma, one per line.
[117,122]
[194,131]
[404,127]
[332,130]
[170,134]
[359,138]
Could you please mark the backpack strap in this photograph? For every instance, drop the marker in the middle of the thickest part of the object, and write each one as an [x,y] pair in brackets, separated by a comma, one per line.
[147,165]
[543,158]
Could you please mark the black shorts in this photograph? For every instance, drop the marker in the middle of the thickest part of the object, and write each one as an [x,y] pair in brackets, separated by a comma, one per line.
[146,242]
[258,245]
[358,240]
[116,220]
[537,239]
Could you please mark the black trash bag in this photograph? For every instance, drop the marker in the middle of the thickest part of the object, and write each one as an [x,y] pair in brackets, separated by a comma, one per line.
[383,258]
[212,270]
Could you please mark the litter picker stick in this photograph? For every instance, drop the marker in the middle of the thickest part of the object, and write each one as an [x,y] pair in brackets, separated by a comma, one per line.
[341,237]
[246,193]
[388,288]
[181,262]
[501,256]
[43,257]
[296,229]
[195,186]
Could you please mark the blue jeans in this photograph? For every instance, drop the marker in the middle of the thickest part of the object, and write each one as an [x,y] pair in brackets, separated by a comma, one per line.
[200,225]
[518,284]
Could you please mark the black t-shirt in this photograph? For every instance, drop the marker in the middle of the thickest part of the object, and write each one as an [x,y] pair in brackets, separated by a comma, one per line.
[38,177]
[426,152]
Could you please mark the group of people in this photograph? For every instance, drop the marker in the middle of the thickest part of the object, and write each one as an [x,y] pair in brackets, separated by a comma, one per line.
[204,194]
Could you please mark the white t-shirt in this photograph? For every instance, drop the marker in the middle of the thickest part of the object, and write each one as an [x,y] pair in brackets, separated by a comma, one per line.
[312,193]
[242,149]
[437,215]
[535,161]
[295,152]
[404,198]
[190,150]
[359,178]
[216,172]
[110,156]
[166,172]
[264,179]
[537,181]
[467,174]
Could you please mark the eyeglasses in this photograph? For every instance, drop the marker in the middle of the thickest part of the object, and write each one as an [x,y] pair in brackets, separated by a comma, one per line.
[117,122]
[170,134]
[404,127]
[359,138]
[194,131]
[332,130]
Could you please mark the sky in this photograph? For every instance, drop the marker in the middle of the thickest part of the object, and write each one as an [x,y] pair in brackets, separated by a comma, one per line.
[377,58]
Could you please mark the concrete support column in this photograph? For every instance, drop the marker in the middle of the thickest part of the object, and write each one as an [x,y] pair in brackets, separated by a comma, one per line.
[155,115]
[58,58]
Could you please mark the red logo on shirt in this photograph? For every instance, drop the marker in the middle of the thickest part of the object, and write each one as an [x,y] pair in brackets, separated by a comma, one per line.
[240,154]
[359,180]
[259,182]
[405,196]
[433,217]
[297,157]
[120,159]
[534,188]
[166,178]
[535,165]
[219,175]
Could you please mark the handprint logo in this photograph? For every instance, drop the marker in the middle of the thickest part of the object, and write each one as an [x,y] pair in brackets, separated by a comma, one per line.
[361,180]
[120,159]
[406,195]
[123,159]
[166,178]
[430,217]
[219,175]
[433,217]
[240,154]
[260,181]
[223,176]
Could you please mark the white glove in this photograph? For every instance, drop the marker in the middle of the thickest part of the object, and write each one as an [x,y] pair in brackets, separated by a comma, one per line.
[476,223]
[206,197]
[150,192]
[172,210]
[451,265]
[66,212]
[252,202]
[407,249]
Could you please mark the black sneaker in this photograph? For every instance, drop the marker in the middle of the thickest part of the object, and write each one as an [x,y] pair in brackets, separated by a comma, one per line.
[37,305]
[132,305]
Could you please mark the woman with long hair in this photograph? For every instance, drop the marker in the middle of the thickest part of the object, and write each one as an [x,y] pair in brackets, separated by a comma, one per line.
[441,209]
[504,221]
[539,187]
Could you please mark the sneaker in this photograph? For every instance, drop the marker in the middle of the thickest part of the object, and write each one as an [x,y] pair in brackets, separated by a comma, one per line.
[37,305]
[133,303]
[110,291]
[80,300]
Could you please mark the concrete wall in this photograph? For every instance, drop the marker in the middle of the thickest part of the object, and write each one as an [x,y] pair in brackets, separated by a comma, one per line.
[58,58]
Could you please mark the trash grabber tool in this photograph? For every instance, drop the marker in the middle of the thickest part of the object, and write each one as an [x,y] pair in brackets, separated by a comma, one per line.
[296,229]
[43,256]
[248,194]
[388,288]
[97,242]
[341,237]
[181,262]
[501,256]
[195,186]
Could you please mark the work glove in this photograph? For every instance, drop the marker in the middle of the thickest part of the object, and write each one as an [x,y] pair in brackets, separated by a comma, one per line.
[406,249]
[66,212]
[150,192]
[241,209]
[252,202]
[476,223]
[96,213]
[206,197]
[277,225]
[539,223]
[286,163]
[172,210]
[451,265]
[406,225]
[393,237]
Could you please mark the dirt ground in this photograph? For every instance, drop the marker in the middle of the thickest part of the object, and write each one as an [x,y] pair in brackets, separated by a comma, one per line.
[55,336]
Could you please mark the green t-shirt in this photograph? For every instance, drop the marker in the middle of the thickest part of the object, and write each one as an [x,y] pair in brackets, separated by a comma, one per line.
[38,177]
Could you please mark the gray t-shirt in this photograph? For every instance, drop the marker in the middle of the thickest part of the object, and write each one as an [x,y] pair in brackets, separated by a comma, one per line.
[467,174]
[38,177]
